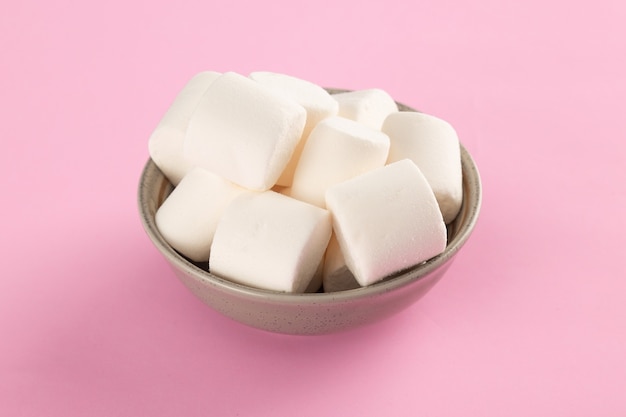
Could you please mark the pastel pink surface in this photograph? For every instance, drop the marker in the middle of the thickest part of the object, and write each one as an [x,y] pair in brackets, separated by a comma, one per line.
[530,319]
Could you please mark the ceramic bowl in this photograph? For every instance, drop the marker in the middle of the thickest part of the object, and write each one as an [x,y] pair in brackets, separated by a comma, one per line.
[311,313]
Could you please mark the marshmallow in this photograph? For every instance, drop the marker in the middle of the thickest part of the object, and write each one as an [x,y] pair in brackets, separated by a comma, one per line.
[187,219]
[336,276]
[166,142]
[386,220]
[244,131]
[270,241]
[316,282]
[434,146]
[369,107]
[317,102]
[337,149]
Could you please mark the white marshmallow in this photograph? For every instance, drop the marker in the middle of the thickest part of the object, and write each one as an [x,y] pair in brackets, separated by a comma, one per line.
[386,220]
[187,219]
[244,131]
[271,241]
[316,282]
[434,146]
[369,107]
[337,149]
[317,102]
[336,276]
[166,142]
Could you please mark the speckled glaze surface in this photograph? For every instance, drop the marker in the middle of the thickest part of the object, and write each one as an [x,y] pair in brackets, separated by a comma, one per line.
[315,313]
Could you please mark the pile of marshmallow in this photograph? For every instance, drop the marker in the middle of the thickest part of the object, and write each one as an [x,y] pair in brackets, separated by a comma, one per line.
[281,185]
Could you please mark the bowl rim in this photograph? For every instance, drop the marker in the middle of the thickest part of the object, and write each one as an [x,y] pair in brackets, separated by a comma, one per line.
[470,209]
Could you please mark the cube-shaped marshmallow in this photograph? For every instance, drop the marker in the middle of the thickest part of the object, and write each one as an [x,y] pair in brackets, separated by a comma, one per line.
[166,142]
[433,145]
[271,241]
[336,276]
[369,107]
[386,220]
[187,219]
[317,102]
[244,131]
[337,149]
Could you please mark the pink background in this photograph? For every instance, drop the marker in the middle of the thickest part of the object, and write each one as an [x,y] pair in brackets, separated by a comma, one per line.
[530,320]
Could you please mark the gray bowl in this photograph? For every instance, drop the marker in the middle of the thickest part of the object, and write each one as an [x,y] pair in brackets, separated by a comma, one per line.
[312,313]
